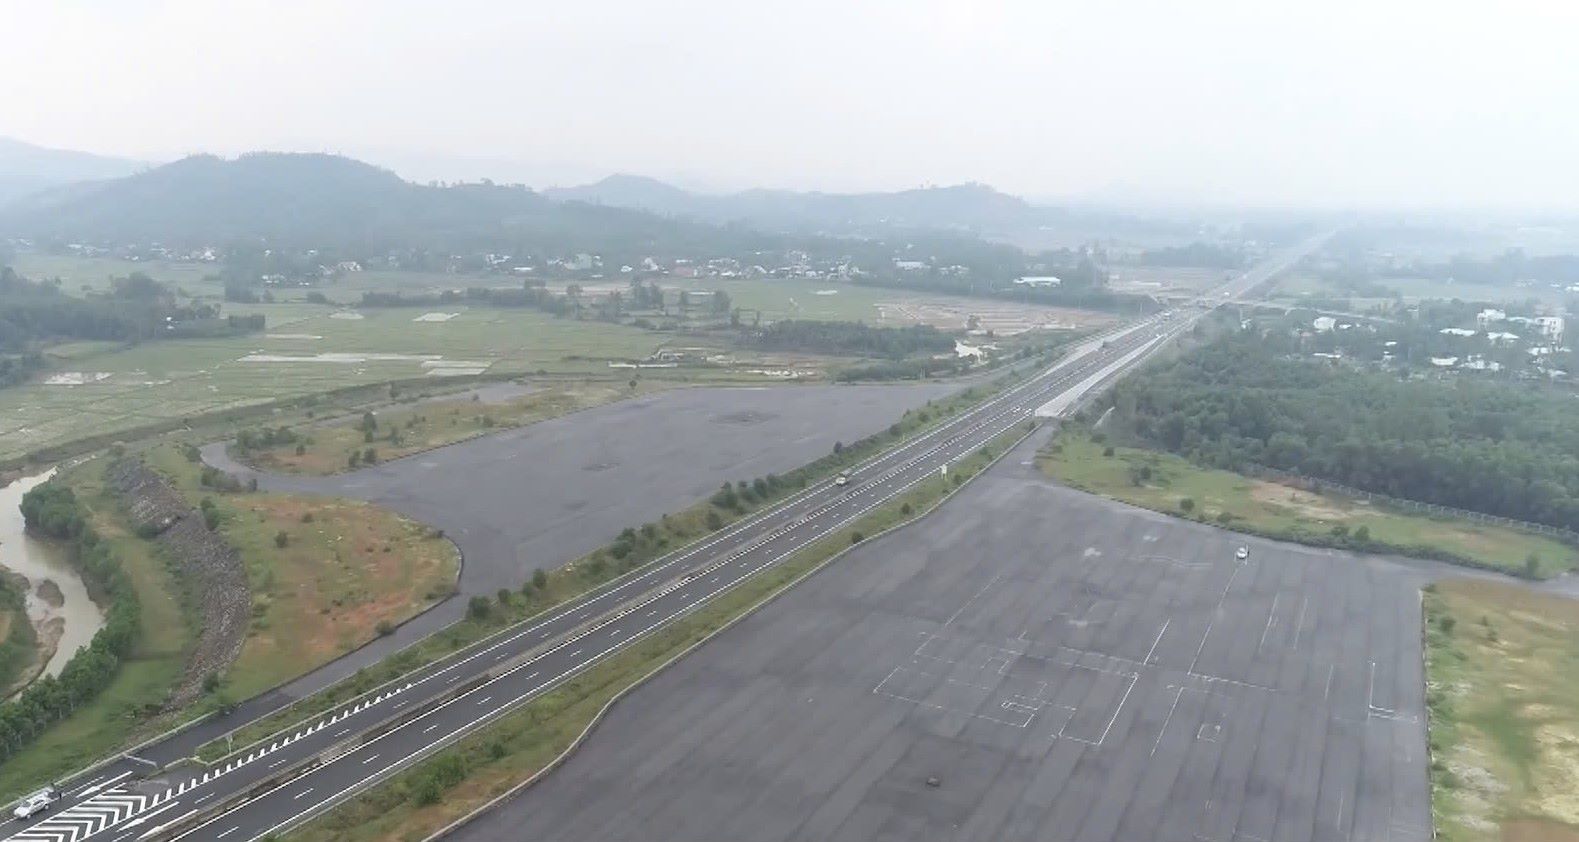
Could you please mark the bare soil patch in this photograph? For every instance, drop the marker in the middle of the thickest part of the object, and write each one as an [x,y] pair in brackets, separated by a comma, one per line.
[1300,502]
[1002,318]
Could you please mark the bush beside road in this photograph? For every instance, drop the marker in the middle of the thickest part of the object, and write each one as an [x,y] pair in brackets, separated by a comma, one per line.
[1167,483]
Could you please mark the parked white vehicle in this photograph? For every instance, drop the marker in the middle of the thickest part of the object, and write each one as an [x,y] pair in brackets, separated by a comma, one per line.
[36,803]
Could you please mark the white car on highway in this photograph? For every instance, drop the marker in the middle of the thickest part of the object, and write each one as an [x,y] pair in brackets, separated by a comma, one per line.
[36,803]
[1242,553]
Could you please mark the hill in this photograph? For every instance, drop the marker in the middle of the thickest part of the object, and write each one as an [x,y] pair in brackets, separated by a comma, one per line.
[25,168]
[327,201]
[968,207]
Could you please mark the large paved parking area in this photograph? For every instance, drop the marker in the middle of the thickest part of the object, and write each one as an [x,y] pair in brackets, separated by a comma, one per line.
[1060,667]
[547,493]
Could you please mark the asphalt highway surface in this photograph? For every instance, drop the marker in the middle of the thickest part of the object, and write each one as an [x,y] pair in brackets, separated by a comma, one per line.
[1060,667]
[305,770]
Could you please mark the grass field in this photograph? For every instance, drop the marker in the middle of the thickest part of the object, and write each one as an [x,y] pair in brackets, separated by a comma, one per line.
[126,711]
[123,388]
[345,571]
[404,430]
[1502,667]
[490,762]
[1078,461]
[100,388]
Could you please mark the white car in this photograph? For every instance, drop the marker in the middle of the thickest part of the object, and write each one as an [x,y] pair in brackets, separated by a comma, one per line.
[1242,553]
[36,803]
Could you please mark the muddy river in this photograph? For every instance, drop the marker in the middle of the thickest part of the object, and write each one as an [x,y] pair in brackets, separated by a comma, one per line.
[57,600]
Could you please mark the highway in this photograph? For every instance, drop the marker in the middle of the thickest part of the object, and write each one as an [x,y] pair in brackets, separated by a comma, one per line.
[288,778]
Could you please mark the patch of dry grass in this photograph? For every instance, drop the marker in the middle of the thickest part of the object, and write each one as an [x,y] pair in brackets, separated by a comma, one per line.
[1503,693]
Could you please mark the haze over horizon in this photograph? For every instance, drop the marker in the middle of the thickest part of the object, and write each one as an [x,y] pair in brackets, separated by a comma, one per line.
[1397,104]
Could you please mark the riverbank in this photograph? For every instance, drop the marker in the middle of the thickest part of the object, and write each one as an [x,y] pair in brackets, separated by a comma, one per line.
[56,600]
[19,660]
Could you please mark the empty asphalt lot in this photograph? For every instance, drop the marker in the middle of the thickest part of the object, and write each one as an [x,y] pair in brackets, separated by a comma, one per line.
[547,493]
[1064,667]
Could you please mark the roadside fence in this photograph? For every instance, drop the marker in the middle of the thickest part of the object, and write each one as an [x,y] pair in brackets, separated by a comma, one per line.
[1313,484]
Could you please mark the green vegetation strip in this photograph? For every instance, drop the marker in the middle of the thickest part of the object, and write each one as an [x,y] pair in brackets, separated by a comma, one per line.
[54,510]
[1256,397]
[635,547]
[1168,483]
[18,642]
[491,762]
[1502,688]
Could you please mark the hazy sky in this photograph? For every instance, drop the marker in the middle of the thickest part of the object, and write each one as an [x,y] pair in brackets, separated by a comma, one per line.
[1324,102]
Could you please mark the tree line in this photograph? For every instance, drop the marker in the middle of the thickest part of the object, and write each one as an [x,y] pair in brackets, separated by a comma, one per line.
[852,339]
[53,510]
[529,294]
[1248,398]
[136,308]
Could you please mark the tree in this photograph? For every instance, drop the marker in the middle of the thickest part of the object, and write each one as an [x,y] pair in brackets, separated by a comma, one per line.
[1532,565]
[539,579]
[369,422]
[479,608]
[281,539]
[354,459]
[1187,505]
[370,456]
[721,303]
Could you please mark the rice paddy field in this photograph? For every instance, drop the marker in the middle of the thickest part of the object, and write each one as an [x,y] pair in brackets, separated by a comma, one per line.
[102,388]
[95,388]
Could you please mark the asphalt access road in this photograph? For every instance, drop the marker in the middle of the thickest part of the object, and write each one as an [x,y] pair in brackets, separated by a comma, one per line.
[1065,667]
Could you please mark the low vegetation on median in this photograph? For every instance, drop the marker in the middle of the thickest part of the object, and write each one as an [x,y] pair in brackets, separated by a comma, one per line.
[1168,483]
[1502,669]
[126,704]
[326,575]
[402,430]
[634,547]
[459,779]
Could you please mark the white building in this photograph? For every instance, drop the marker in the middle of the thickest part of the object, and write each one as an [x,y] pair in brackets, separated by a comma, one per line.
[1039,281]
[1489,316]
[1457,331]
[1324,324]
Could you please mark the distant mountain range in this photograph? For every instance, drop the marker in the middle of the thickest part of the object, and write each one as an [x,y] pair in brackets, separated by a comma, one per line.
[25,168]
[313,200]
[966,207]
